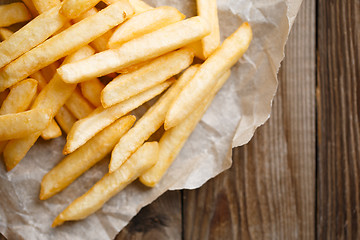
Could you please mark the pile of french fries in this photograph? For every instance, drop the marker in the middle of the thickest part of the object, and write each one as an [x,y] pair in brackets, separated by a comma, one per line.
[49,84]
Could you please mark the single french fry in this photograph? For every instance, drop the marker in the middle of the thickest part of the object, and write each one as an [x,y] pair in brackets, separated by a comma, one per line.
[31,35]
[110,184]
[78,162]
[138,5]
[51,131]
[78,105]
[44,5]
[65,119]
[205,79]
[156,71]
[40,79]
[74,8]
[64,43]
[5,33]
[13,13]
[86,128]
[208,10]
[20,97]
[30,5]
[149,46]
[174,139]
[18,125]
[91,90]
[197,48]
[50,99]
[148,123]
[100,43]
[144,23]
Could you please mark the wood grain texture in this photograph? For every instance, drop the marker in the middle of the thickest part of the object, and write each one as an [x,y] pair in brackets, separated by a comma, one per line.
[269,193]
[338,171]
[160,220]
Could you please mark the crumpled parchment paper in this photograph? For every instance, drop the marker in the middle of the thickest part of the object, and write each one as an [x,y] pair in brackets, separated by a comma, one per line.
[240,107]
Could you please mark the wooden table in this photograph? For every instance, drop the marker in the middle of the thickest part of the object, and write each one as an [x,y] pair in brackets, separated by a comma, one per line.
[299,177]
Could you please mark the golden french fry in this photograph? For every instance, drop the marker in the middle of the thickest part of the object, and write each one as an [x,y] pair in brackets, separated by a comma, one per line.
[64,43]
[65,119]
[74,8]
[149,46]
[44,5]
[49,71]
[5,33]
[110,184]
[78,105]
[138,5]
[13,13]
[197,48]
[205,79]
[148,123]
[174,139]
[91,90]
[19,125]
[31,35]
[40,79]
[86,128]
[49,99]
[51,131]
[156,71]
[19,97]
[144,23]
[78,162]
[30,5]
[208,10]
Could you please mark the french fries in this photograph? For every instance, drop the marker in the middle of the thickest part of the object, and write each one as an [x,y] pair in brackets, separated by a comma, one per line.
[44,5]
[64,43]
[91,90]
[52,131]
[205,79]
[138,5]
[78,162]
[13,13]
[156,71]
[111,184]
[148,123]
[173,140]
[5,33]
[78,105]
[30,5]
[18,125]
[65,119]
[86,128]
[29,36]
[74,8]
[208,10]
[144,23]
[149,46]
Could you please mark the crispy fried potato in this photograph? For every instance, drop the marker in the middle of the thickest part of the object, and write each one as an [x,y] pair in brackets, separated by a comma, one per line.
[86,128]
[44,5]
[91,90]
[49,71]
[13,13]
[205,79]
[65,119]
[208,10]
[138,5]
[148,123]
[49,99]
[5,33]
[3,95]
[144,23]
[51,131]
[78,162]
[110,184]
[149,46]
[78,105]
[74,8]
[30,5]
[197,48]
[67,41]
[20,97]
[174,139]
[31,35]
[19,125]
[156,71]
[42,82]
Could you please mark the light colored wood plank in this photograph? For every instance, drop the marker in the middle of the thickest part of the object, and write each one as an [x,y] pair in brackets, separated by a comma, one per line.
[269,193]
[338,196]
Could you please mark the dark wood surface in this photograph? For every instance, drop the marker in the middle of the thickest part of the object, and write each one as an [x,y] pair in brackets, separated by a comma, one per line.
[299,177]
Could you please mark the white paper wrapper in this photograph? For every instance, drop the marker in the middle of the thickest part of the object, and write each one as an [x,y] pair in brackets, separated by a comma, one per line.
[239,108]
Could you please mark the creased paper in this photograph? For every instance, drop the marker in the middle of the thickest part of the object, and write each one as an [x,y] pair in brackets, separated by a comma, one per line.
[240,107]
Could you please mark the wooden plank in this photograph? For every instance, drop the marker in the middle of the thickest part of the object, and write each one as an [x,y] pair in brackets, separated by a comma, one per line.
[160,220]
[269,193]
[338,99]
